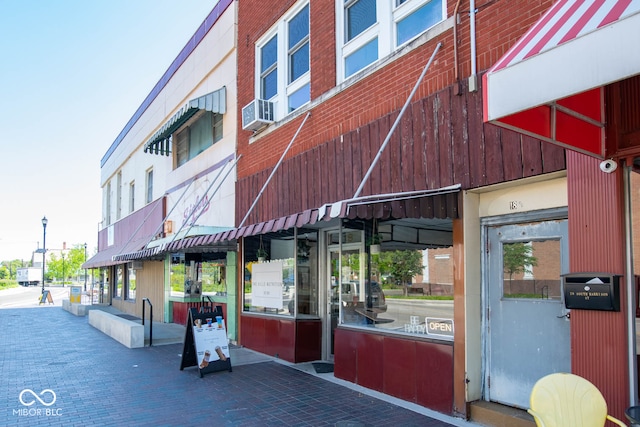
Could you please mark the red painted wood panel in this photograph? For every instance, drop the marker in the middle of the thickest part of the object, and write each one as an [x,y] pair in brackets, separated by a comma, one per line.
[181,310]
[284,338]
[370,362]
[344,357]
[400,368]
[416,371]
[434,378]
[308,340]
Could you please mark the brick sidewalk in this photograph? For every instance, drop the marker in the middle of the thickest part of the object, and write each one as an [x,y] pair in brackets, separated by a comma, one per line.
[99,382]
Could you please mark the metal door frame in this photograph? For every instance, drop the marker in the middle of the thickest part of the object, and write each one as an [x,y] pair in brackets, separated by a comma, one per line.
[325,291]
[485,224]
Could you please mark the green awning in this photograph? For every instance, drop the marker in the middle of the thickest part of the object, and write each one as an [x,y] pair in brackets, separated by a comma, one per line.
[216,102]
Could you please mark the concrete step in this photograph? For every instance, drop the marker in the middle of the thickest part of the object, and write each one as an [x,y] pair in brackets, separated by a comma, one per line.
[496,415]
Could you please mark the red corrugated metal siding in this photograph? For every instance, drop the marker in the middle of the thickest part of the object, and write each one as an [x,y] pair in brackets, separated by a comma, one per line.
[596,243]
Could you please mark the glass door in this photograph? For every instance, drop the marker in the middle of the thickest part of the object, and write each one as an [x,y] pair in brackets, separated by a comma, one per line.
[345,273]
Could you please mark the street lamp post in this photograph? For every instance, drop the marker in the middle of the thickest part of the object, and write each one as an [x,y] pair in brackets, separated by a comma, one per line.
[44,247]
[85,270]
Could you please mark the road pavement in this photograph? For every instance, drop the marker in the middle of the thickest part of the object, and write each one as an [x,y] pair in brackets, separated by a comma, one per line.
[30,296]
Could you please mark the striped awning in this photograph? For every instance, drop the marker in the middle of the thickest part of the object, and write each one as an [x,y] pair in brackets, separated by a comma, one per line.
[550,83]
[438,203]
[215,102]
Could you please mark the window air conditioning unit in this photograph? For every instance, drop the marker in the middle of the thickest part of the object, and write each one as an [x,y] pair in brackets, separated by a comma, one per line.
[136,265]
[257,114]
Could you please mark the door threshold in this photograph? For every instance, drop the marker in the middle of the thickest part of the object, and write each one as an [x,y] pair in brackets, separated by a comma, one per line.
[496,414]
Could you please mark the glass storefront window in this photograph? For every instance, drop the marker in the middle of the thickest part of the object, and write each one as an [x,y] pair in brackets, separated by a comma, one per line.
[193,275]
[131,283]
[119,281]
[403,288]
[284,277]
[177,274]
[214,277]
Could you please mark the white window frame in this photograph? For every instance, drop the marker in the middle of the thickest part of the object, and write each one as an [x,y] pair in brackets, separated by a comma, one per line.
[385,29]
[148,188]
[108,204]
[119,196]
[284,88]
[132,196]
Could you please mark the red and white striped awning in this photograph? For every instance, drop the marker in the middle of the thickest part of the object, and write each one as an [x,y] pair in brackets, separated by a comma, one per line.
[549,84]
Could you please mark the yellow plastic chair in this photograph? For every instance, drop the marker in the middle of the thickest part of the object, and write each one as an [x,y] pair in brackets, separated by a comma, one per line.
[567,400]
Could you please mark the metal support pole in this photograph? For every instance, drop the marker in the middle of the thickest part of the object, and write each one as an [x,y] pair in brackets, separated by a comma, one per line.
[85,270]
[44,247]
[393,128]
[274,169]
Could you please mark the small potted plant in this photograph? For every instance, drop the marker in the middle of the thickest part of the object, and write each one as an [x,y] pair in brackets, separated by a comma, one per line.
[374,247]
[261,253]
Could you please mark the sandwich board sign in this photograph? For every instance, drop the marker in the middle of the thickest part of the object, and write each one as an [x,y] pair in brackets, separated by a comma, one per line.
[75,295]
[46,297]
[206,344]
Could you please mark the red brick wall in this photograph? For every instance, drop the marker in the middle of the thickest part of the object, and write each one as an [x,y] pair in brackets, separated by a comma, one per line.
[498,26]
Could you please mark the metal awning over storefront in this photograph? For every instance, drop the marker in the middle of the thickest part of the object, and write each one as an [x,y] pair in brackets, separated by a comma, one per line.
[215,102]
[440,203]
[110,255]
[549,85]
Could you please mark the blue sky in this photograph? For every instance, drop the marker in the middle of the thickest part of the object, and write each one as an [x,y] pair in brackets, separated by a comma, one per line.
[72,74]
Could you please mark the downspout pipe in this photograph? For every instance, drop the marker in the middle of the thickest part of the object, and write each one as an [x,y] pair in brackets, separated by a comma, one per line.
[473,78]
[631,290]
[456,73]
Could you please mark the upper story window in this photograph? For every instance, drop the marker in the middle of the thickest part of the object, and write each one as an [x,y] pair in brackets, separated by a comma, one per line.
[132,196]
[197,136]
[108,204]
[149,192]
[282,59]
[119,196]
[373,29]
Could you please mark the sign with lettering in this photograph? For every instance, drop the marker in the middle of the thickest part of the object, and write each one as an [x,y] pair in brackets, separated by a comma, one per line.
[592,291]
[206,344]
[440,327]
[267,284]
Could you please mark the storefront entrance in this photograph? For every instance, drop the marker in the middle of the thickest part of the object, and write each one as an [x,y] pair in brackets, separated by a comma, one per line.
[527,332]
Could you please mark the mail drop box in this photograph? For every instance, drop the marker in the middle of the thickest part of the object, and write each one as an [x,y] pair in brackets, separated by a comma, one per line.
[592,291]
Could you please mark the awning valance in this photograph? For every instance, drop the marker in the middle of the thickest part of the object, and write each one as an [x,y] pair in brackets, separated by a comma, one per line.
[439,203]
[215,102]
[110,256]
[549,84]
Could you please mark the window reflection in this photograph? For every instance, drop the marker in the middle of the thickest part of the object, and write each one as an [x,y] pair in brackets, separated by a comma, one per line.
[531,269]
[283,279]
[407,283]
[193,275]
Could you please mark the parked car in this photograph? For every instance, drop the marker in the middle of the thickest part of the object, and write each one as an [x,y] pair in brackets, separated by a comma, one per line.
[373,298]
